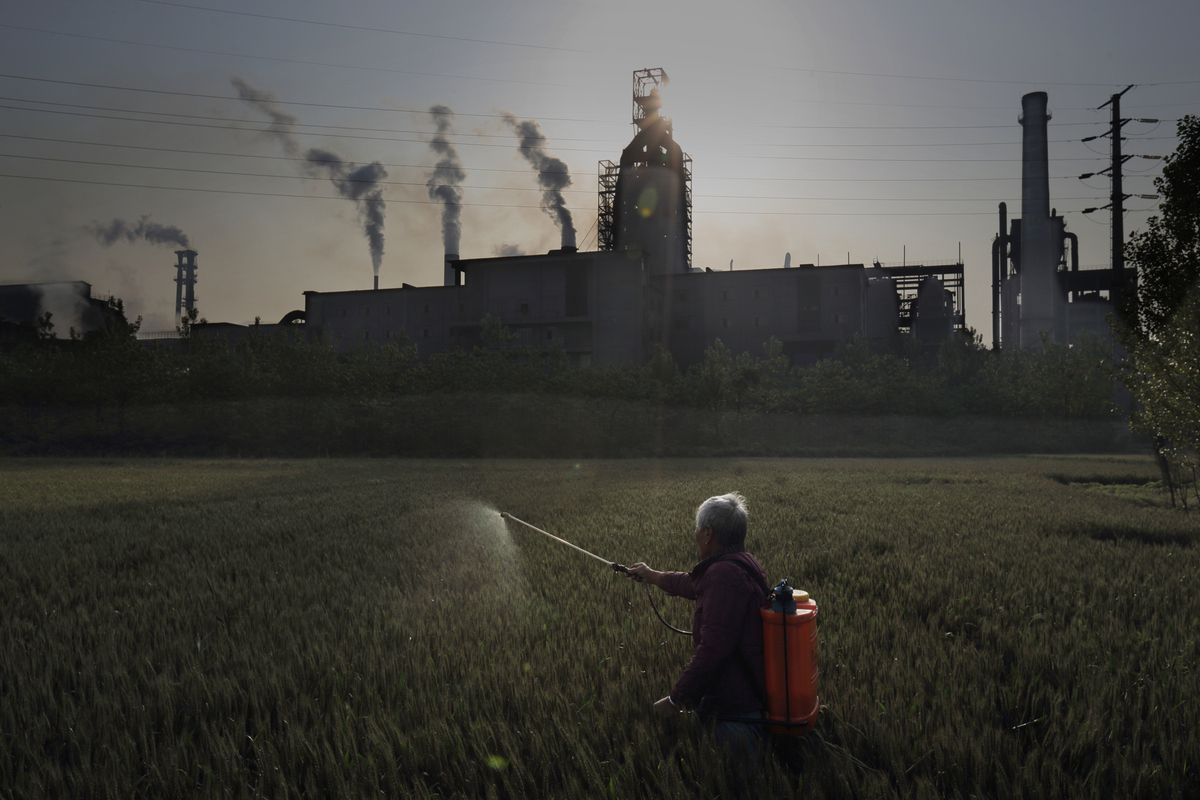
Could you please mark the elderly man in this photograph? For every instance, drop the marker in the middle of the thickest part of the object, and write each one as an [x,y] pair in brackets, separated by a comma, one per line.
[724,679]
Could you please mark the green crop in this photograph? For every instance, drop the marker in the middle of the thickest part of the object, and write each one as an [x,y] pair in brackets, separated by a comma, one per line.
[1007,627]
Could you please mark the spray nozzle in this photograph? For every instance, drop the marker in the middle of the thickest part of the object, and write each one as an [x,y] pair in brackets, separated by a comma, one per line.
[503,515]
[619,567]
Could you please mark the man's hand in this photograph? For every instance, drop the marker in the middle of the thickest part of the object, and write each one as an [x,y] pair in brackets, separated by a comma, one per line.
[640,572]
[665,708]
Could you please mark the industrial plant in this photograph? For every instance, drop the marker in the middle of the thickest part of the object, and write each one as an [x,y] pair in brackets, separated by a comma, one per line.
[640,291]
[1033,288]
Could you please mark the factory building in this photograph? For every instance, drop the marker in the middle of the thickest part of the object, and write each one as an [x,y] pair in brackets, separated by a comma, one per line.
[70,304]
[1037,283]
[639,291]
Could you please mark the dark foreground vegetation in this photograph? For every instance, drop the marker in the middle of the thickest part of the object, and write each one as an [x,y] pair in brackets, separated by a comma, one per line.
[1001,628]
[286,394]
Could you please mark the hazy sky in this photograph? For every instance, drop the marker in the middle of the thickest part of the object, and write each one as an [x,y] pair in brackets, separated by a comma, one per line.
[861,127]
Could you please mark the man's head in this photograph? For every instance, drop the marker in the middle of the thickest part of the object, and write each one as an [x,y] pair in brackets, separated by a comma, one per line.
[724,516]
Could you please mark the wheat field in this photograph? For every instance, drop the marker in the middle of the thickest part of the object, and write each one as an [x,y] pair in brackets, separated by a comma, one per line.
[1018,627]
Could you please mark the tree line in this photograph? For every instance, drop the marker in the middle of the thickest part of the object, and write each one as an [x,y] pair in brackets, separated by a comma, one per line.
[109,370]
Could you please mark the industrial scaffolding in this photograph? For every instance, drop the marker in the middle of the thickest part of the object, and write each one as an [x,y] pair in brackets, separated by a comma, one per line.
[647,85]
[908,279]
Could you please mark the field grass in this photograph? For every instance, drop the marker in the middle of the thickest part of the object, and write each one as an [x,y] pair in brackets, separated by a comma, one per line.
[1002,627]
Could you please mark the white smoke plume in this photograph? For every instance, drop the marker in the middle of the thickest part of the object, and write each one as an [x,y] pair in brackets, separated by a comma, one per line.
[352,181]
[552,174]
[444,181]
[142,230]
[68,307]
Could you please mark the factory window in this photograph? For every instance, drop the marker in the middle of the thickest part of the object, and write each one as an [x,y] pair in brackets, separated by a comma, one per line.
[343,312]
[387,334]
[427,309]
[837,290]
[724,322]
[389,311]
[524,308]
[756,296]
[841,318]
[550,333]
[681,296]
[425,333]
[756,322]
[726,294]
[682,323]
[366,311]
[460,306]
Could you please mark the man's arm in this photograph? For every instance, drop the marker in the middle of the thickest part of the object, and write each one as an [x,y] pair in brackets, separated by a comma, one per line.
[678,584]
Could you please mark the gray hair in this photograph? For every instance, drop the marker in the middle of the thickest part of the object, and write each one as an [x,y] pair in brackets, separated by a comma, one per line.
[726,514]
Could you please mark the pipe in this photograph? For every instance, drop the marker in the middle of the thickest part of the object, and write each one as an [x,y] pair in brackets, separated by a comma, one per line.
[996,292]
[999,264]
[1074,250]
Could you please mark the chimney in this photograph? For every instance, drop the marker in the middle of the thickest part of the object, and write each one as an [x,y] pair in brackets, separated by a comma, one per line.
[451,275]
[377,283]
[185,282]
[1035,162]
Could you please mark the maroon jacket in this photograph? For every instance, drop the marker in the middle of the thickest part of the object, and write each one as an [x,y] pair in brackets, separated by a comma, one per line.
[726,621]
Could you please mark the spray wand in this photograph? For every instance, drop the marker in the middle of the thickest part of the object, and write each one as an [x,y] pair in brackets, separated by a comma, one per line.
[616,567]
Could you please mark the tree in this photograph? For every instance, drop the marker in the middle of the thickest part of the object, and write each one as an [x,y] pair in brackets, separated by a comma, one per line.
[1167,253]
[1161,336]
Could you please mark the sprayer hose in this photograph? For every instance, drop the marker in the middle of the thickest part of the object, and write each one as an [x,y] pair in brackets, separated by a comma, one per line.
[650,597]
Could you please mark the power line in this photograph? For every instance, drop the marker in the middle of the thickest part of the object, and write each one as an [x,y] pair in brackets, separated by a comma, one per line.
[506,188]
[371,29]
[204,96]
[267,175]
[387,70]
[613,143]
[175,48]
[488,144]
[494,205]
[494,42]
[396,165]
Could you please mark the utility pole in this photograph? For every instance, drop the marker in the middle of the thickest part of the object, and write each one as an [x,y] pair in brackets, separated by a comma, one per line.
[1117,202]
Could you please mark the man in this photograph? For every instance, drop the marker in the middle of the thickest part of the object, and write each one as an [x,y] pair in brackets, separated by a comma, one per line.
[724,680]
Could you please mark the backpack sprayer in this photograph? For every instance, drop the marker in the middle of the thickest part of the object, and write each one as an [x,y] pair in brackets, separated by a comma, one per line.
[789,649]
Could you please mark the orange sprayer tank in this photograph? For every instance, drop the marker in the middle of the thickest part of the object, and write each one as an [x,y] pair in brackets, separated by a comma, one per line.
[790,661]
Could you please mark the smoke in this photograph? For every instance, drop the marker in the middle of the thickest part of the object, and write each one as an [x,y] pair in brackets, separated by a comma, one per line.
[282,123]
[506,250]
[445,179]
[552,175]
[68,307]
[360,184]
[352,181]
[142,230]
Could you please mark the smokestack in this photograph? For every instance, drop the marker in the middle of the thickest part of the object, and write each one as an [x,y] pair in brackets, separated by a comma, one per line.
[787,260]
[1035,162]
[185,282]
[377,283]
[451,276]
